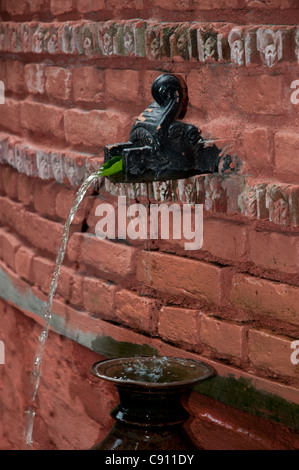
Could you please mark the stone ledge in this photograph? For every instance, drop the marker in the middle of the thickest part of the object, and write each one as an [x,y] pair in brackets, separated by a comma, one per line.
[191,41]
[62,166]
[268,201]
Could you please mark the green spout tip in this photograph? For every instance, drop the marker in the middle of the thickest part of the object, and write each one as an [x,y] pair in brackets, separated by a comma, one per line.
[113,166]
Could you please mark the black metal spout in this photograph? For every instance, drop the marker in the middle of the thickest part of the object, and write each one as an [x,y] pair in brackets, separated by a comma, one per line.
[161,147]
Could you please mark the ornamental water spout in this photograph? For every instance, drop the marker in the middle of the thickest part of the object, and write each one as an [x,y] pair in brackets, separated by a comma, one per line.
[160,146]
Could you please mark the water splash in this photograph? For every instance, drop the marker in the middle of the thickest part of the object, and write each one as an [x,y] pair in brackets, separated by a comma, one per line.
[154,370]
[151,369]
[38,359]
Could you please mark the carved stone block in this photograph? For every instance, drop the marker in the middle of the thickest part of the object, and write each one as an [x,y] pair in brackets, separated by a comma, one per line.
[269,44]
[208,45]
[73,169]
[252,201]
[19,157]
[183,42]
[57,166]
[38,35]
[2,37]
[52,43]
[153,42]
[84,39]
[14,37]
[29,161]
[110,38]
[277,202]
[3,149]
[133,38]
[25,37]
[43,163]
[67,38]
[215,194]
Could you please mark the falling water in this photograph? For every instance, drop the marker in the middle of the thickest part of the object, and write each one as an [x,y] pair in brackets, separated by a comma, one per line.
[38,359]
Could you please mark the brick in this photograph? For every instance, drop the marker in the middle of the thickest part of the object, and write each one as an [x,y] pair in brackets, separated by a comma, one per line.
[76,297]
[19,7]
[45,197]
[116,259]
[37,6]
[121,4]
[10,116]
[266,298]
[23,262]
[180,326]
[88,84]
[42,119]
[42,233]
[90,6]
[12,214]
[63,203]
[15,76]
[94,128]
[99,297]
[259,94]
[10,178]
[272,352]
[60,8]
[25,189]
[184,5]
[35,78]
[226,240]
[10,245]
[122,85]
[64,286]
[226,131]
[222,4]
[257,149]
[211,81]
[181,276]
[42,271]
[273,250]
[136,311]
[16,7]
[59,307]
[58,83]
[3,71]
[287,154]
[3,232]
[222,337]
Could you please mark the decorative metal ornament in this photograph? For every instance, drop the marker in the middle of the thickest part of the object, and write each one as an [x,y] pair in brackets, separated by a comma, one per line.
[160,146]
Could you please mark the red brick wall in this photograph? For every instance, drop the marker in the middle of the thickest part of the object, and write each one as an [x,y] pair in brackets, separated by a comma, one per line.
[234,303]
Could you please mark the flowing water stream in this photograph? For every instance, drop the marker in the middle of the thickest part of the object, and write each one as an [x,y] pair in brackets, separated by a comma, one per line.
[113,166]
[39,354]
